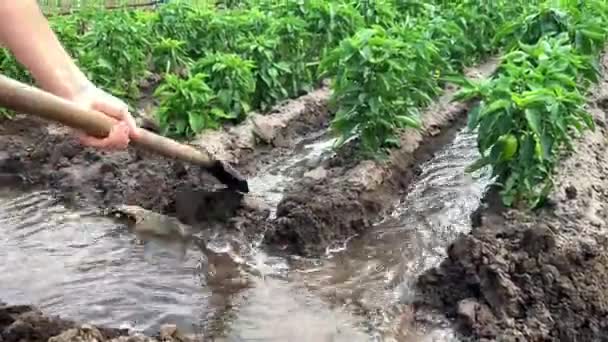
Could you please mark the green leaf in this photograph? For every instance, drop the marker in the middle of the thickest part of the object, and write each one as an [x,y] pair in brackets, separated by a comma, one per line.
[495,106]
[196,122]
[534,120]
[477,165]
[473,116]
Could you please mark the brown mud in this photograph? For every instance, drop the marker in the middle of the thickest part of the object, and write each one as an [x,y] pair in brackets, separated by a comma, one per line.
[39,154]
[535,276]
[343,196]
[24,323]
[336,200]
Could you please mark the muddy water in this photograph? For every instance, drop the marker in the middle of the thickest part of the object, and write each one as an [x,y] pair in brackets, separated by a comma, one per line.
[375,272]
[82,266]
[271,182]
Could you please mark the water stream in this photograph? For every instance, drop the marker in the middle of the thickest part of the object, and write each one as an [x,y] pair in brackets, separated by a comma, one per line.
[85,267]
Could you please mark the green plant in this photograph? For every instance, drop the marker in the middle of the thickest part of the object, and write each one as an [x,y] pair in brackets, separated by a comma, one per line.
[528,114]
[181,21]
[319,27]
[231,78]
[115,53]
[579,19]
[378,12]
[293,49]
[187,106]
[69,32]
[169,56]
[226,4]
[10,67]
[378,87]
[268,71]
[331,22]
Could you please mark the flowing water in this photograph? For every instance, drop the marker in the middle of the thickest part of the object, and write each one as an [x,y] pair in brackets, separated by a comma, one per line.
[83,266]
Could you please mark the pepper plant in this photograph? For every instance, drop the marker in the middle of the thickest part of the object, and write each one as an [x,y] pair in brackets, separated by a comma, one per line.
[181,21]
[528,114]
[68,30]
[231,79]
[293,51]
[187,106]
[115,53]
[581,20]
[169,56]
[376,90]
[269,71]
[378,12]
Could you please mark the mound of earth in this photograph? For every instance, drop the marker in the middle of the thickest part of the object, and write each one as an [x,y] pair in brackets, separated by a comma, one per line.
[535,276]
[25,323]
[40,154]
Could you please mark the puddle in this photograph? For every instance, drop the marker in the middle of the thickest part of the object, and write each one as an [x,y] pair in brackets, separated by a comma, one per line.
[273,180]
[85,267]
[81,266]
[375,271]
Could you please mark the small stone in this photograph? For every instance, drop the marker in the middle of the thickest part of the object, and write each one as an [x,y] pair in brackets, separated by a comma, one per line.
[434,131]
[571,192]
[467,309]
[168,331]
[255,204]
[264,130]
[316,174]
[86,333]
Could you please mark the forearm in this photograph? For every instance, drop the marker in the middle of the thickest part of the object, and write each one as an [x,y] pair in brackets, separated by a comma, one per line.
[26,32]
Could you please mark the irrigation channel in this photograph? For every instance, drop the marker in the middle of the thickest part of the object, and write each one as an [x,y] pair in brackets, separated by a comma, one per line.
[85,267]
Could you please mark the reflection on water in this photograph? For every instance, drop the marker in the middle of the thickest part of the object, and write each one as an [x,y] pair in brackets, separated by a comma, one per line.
[87,267]
[82,266]
[375,271]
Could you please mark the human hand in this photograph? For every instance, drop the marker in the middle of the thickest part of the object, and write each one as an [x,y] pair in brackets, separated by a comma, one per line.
[119,137]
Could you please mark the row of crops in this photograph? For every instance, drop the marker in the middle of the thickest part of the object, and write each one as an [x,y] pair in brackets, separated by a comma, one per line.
[534,106]
[387,60]
[218,62]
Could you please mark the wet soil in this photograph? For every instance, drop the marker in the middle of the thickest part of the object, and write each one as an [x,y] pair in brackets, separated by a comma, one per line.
[339,198]
[37,154]
[25,323]
[344,195]
[535,276]
[49,156]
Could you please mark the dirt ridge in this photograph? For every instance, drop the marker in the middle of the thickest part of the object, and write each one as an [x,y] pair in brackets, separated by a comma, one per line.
[540,276]
[39,154]
[317,212]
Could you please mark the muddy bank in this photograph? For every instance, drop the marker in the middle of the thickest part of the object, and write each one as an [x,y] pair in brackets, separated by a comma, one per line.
[25,323]
[342,197]
[37,154]
[262,133]
[42,154]
[539,276]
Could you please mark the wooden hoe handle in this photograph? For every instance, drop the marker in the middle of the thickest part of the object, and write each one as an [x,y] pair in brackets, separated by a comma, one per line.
[27,99]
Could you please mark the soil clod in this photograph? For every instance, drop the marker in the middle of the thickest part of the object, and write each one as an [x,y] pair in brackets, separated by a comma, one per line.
[539,275]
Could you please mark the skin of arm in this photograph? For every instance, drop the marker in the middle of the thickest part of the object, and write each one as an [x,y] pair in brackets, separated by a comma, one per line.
[25,31]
